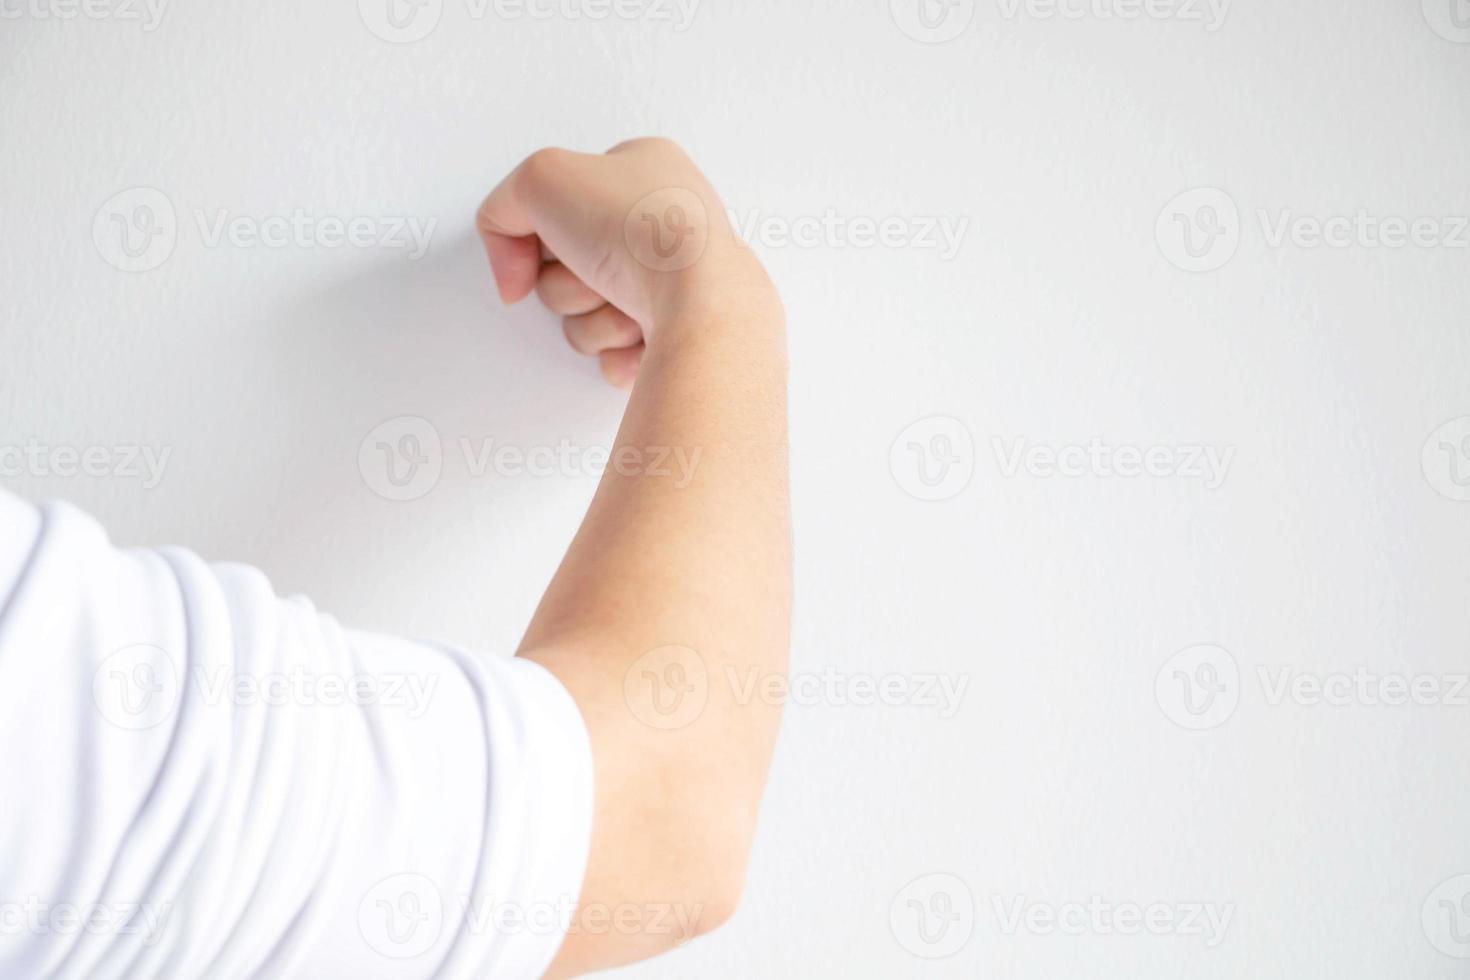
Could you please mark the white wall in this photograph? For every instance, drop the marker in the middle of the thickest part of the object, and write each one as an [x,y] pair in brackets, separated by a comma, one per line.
[1059,601]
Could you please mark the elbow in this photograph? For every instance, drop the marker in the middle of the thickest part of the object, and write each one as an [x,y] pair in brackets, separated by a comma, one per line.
[710,863]
[722,890]
[727,808]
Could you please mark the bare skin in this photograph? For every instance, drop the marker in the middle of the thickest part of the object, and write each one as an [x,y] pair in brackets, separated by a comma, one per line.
[673,597]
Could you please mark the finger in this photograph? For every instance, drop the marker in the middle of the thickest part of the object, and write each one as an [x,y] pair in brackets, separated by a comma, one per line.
[562,292]
[606,328]
[510,241]
[536,206]
[620,366]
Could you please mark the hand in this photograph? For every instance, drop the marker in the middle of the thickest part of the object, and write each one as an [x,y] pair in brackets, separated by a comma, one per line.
[620,244]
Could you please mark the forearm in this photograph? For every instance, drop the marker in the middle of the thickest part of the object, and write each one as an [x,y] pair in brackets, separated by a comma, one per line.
[698,553]
[692,574]
[696,557]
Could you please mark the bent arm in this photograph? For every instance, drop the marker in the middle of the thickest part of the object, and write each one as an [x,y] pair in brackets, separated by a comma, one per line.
[670,613]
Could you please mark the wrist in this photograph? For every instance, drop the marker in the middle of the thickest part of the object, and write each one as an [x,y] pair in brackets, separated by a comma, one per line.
[719,289]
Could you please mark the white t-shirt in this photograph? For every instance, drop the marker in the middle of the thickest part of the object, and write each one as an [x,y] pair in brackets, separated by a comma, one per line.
[199,779]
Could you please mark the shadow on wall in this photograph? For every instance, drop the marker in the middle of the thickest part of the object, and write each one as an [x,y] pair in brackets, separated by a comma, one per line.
[365,375]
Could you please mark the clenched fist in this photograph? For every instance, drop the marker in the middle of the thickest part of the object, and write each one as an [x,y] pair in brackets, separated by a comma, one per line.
[621,245]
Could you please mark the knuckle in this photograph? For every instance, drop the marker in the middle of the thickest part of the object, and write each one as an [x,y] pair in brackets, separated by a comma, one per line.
[571,328]
[657,145]
[544,166]
[615,373]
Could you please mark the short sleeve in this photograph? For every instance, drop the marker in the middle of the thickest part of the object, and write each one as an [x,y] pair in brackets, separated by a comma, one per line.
[204,779]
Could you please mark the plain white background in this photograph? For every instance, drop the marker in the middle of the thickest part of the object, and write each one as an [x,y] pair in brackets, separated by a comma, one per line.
[1098,756]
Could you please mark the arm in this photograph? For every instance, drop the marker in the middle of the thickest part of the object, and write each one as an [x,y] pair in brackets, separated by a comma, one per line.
[676,585]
